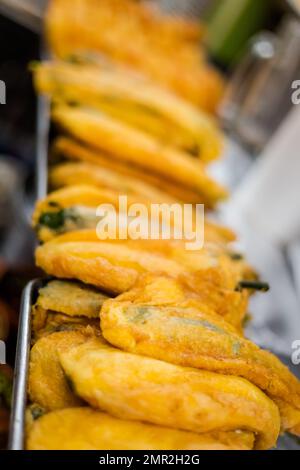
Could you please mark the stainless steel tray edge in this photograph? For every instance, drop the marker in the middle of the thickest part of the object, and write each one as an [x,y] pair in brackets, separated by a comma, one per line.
[16,439]
[19,397]
[42,146]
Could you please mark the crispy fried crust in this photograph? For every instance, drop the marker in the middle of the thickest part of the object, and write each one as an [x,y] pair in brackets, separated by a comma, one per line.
[71,298]
[47,385]
[191,336]
[133,100]
[46,322]
[100,131]
[128,386]
[86,429]
[75,208]
[77,205]
[209,275]
[113,267]
[65,306]
[210,294]
[160,46]
[68,174]
[74,150]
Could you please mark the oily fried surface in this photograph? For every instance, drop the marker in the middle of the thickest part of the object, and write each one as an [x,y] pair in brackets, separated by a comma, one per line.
[210,256]
[160,45]
[68,174]
[191,335]
[46,322]
[135,101]
[47,384]
[110,266]
[99,130]
[86,429]
[73,208]
[115,267]
[211,294]
[208,274]
[65,306]
[71,149]
[208,282]
[84,195]
[139,388]
[71,298]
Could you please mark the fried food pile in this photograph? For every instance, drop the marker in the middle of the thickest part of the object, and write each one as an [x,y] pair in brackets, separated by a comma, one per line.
[165,49]
[130,128]
[168,351]
[128,114]
[159,359]
[139,343]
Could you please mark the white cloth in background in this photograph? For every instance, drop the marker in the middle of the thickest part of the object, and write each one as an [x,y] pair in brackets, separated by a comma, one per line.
[269,196]
[265,212]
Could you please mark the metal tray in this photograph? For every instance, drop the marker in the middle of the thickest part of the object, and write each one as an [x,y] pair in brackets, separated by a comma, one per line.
[42,146]
[19,398]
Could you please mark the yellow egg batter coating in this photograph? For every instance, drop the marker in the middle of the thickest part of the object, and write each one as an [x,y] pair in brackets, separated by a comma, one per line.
[71,298]
[87,429]
[65,305]
[190,335]
[47,385]
[143,389]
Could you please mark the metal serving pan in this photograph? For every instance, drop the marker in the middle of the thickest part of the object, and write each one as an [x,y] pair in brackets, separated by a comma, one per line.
[42,146]
[19,398]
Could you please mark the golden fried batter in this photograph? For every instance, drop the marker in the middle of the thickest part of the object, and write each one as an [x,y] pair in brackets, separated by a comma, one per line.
[134,100]
[143,389]
[68,148]
[211,294]
[207,274]
[99,131]
[46,322]
[47,385]
[164,48]
[196,337]
[73,208]
[68,174]
[210,256]
[71,298]
[63,306]
[111,266]
[87,429]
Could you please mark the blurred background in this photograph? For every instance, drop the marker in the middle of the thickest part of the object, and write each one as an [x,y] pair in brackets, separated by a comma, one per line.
[256,45]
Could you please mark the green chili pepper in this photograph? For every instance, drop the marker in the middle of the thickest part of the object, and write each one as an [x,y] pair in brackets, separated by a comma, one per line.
[253,285]
[53,220]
